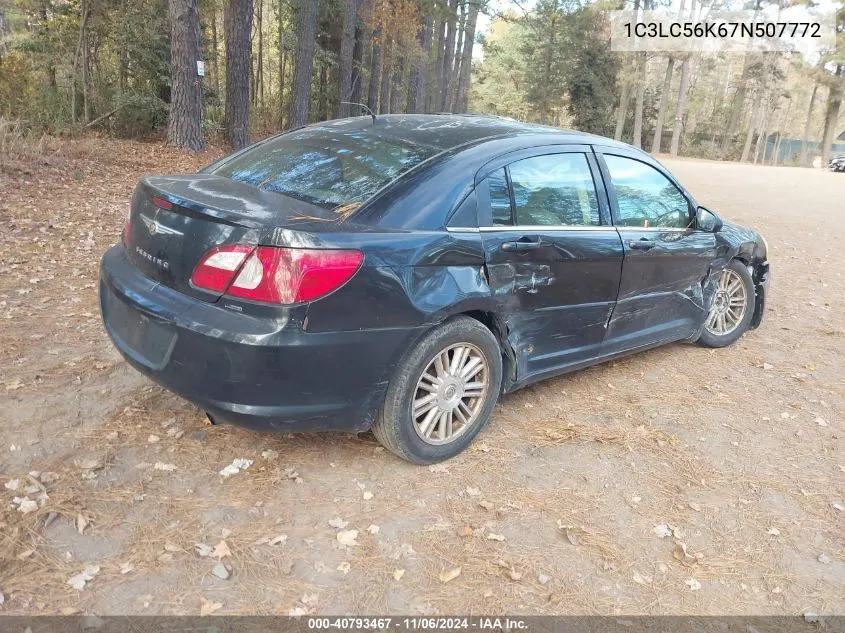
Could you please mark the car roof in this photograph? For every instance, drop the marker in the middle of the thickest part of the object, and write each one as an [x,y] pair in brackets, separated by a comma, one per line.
[445,132]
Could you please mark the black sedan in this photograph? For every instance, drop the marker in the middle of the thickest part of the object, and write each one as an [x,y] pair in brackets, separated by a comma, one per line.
[402,273]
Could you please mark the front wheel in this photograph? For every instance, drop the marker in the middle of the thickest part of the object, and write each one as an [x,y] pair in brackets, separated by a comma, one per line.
[442,394]
[732,308]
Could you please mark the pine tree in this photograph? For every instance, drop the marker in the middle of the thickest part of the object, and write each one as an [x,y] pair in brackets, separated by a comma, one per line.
[184,127]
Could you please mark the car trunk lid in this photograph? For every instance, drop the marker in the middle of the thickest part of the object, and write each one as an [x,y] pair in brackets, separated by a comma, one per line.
[175,220]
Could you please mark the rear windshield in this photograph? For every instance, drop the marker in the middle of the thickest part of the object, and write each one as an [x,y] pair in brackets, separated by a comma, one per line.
[331,168]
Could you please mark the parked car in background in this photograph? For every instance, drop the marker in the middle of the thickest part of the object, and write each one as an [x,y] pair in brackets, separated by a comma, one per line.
[837,163]
[401,273]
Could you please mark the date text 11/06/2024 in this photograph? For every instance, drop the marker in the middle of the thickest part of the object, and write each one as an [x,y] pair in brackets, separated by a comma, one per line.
[418,624]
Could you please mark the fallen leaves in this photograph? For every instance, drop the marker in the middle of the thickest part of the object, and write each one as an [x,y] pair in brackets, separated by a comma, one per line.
[449,575]
[347,538]
[25,504]
[207,607]
[571,532]
[78,581]
[693,584]
[235,467]
[89,463]
[664,529]
[203,550]
[682,554]
[221,550]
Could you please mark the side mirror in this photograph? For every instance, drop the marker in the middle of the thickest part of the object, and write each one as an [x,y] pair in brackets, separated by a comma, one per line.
[707,220]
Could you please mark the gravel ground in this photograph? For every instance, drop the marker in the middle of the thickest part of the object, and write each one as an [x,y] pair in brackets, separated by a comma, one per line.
[677,481]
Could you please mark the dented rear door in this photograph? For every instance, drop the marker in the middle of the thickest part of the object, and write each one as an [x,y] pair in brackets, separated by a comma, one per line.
[552,256]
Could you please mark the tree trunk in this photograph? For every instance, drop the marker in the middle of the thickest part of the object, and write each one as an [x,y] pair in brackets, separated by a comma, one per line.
[781,126]
[357,61]
[347,46]
[86,77]
[259,67]
[215,64]
[184,127]
[638,103]
[4,31]
[831,115]
[322,95]
[397,95]
[386,67]
[465,77]
[282,65]
[306,36]
[677,131]
[739,97]
[622,112]
[419,75]
[448,57]
[83,23]
[456,65]
[657,141]
[375,72]
[436,87]
[752,127]
[762,138]
[806,139]
[237,27]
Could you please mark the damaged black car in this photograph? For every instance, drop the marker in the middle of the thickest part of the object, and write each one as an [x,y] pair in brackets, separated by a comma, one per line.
[401,273]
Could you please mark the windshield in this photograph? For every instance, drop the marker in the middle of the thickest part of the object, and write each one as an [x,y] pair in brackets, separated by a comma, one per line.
[331,168]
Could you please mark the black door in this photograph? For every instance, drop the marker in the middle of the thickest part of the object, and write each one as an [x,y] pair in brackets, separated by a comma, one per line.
[552,253]
[666,258]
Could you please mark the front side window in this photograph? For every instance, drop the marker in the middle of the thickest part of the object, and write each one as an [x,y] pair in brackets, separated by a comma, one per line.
[554,190]
[645,197]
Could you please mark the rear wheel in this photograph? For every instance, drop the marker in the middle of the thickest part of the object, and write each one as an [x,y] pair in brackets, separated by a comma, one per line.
[442,394]
[732,309]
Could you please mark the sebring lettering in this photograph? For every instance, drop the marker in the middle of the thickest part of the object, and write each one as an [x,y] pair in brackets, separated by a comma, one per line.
[157,261]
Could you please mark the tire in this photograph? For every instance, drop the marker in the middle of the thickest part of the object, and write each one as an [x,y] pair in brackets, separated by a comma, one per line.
[400,432]
[710,336]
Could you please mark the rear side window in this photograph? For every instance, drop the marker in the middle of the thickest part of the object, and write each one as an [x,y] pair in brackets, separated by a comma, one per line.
[326,167]
[554,190]
[549,190]
[500,198]
[645,197]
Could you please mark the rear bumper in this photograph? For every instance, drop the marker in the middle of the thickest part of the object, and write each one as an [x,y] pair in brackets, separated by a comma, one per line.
[261,372]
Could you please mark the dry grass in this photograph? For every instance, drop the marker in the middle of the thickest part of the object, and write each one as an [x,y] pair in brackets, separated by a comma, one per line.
[23,150]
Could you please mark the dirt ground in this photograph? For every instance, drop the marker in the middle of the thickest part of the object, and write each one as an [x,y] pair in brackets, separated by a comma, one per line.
[676,481]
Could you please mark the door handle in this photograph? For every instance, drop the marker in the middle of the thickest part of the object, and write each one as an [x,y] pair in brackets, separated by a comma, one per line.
[522,244]
[642,244]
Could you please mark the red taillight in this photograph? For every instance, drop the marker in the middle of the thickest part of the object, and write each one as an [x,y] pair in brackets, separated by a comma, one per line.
[161,203]
[218,266]
[276,275]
